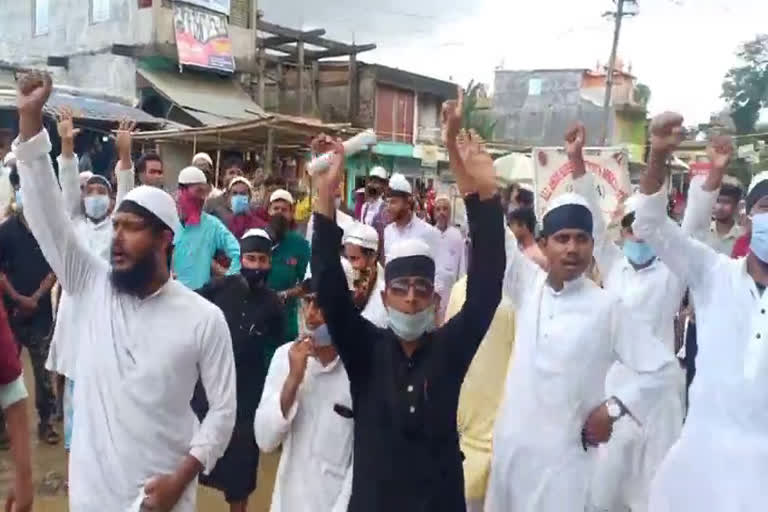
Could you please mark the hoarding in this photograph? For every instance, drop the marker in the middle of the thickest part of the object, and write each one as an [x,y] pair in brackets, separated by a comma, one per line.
[202,38]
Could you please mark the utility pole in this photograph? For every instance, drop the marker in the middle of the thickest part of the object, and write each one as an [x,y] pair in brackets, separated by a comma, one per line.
[618,16]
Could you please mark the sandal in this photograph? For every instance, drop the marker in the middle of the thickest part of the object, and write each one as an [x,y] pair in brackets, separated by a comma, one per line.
[49,434]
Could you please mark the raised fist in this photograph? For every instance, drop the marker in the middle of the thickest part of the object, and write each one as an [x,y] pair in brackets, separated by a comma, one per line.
[34,89]
[666,132]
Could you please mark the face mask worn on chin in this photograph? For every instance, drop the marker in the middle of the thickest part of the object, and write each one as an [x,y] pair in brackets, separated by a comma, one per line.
[638,253]
[191,207]
[256,277]
[758,243]
[239,204]
[18,198]
[410,327]
[320,336]
[96,206]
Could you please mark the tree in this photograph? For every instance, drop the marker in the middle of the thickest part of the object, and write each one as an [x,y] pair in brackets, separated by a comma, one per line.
[745,87]
[474,117]
[641,94]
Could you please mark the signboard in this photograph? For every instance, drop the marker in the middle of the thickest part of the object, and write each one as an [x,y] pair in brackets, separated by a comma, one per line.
[609,165]
[202,38]
[221,6]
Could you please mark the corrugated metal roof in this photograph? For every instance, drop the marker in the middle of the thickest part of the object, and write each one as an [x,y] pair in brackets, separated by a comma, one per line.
[85,107]
[202,94]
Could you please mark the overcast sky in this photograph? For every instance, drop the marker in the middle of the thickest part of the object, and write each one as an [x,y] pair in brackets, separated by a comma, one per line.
[680,48]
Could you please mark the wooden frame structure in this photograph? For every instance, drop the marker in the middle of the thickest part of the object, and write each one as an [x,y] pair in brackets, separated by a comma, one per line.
[288,46]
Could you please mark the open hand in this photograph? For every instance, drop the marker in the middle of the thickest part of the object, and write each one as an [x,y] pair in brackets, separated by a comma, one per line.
[599,426]
[720,151]
[65,125]
[124,131]
[667,132]
[163,492]
[476,174]
[451,117]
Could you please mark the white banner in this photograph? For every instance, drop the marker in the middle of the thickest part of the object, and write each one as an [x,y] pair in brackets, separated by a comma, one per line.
[221,6]
[552,176]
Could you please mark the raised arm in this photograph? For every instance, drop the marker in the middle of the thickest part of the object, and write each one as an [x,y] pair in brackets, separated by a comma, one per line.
[72,263]
[69,177]
[703,191]
[124,171]
[351,333]
[689,259]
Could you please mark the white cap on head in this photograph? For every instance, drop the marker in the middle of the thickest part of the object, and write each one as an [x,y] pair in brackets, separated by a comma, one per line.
[442,197]
[398,183]
[362,235]
[349,273]
[281,195]
[192,176]
[566,199]
[567,211]
[757,179]
[409,247]
[205,157]
[85,176]
[378,172]
[9,158]
[157,201]
[239,179]
[261,233]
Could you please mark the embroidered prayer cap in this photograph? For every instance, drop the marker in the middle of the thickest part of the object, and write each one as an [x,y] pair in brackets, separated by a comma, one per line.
[281,195]
[192,176]
[205,157]
[256,240]
[98,179]
[378,172]
[362,235]
[758,188]
[398,185]
[239,179]
[154,201]
[567,211]
[411,257]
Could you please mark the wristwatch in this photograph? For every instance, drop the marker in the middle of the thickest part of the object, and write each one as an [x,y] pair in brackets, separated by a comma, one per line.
[615,410]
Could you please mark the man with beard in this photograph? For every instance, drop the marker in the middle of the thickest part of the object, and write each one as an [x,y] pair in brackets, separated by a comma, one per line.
[255,318]
[374,195]
[405,224]
[200,235]
[146,340]
[361,248]
[289,263]
[27,281]
[451,253]
[405,380]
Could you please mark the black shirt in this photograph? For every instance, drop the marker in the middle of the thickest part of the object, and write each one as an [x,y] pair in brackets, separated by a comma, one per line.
[23,263]
[406,451]
[255,319]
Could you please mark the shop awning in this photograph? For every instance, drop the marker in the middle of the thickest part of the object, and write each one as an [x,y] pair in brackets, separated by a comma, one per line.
[209,98]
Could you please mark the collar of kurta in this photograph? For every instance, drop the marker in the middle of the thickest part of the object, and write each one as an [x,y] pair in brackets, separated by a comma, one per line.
[317,367]
[568,286]
[648,268]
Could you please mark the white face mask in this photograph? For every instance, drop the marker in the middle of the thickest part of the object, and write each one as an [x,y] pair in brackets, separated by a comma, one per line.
[96,206]
[410,327]
[320,336]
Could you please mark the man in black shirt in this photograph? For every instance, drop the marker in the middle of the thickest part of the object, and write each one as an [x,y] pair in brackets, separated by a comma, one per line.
[26,282]
[255,318]
[405,379]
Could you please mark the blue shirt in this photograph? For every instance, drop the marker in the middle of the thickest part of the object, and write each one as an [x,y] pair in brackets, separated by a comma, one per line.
[195,246]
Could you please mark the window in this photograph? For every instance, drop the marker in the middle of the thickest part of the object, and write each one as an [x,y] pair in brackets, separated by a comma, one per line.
[100,11]
[40,22]
[534,87]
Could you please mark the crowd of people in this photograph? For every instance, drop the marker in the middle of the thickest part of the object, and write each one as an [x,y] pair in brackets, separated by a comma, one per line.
[397,362]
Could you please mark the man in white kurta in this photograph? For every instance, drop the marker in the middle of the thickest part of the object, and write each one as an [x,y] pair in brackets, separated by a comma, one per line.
[451,253]
[361,248]
[721,459]
[565,342]
[138,362]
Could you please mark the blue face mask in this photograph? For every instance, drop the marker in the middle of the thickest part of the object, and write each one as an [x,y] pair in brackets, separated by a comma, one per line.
[758,243]
[18,199]
[320,336]
[638,253]
[96,206]
[239,204]
[410,327]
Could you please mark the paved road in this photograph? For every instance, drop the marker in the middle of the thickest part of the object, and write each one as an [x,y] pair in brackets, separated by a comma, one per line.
[49,470]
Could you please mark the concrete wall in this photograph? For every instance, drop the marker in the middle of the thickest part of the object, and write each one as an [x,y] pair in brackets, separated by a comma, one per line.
[542,119]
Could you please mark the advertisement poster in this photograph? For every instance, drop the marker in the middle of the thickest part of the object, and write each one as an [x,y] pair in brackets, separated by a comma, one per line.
[609,165]
[221,6]
[202,38]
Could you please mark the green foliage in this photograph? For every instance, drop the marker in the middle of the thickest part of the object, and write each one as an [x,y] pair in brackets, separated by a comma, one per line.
[641,94]
[474,117]
[745,87]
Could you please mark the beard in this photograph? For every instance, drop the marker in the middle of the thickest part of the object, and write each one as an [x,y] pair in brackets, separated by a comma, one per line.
[135,279]
[279,226]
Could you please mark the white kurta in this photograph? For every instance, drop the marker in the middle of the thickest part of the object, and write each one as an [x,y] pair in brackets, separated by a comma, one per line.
[721,459]
[138,363]
[450,263]
[698,219]
[315,470]
[370,209]
[342,220]
[97,237]
[374,311]
[565,342]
